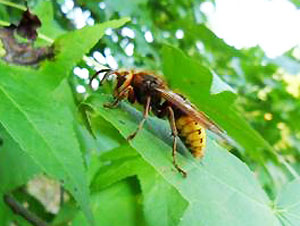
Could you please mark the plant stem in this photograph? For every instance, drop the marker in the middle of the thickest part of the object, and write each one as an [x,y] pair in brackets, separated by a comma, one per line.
[12,4]
[46,38]
[4,23]
[289,168]
[17,208]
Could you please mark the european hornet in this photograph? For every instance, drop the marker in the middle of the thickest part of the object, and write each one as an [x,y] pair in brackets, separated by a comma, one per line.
[152,92]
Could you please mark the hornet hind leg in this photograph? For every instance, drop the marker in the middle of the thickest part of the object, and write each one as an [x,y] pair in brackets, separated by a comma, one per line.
[175,135]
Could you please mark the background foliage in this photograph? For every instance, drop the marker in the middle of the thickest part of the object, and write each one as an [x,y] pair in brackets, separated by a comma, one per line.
[55,133]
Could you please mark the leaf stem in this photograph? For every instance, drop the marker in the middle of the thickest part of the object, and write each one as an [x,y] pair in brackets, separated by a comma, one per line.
[46,38]
[289,167]
[18,209]
[12,4]
[4,23]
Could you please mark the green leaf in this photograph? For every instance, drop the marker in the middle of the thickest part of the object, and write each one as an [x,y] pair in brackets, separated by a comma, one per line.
[196,83]
[288,204]
[120,153]
[42,125]
[218,190]
[12,157]
[163,205]
[4,15]
[125,163]
[41,122]
[66,214]
[211,41]
[44,10]
[71,47]
[131,6]
[106,135]
[297,3]
[116,205]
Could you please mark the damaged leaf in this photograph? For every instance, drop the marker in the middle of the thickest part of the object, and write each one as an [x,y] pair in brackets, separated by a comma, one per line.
[28,25]
[21,53]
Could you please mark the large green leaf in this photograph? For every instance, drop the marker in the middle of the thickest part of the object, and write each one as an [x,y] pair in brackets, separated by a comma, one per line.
[162,203]
[218,190]
[12,157]
[50,27]
[195,81]
[105,134]
[131,6]
[42,122]
[116,205]
[210,40]
[71,47]
[4,15]
[297,3]
[123,163]
[288,204]
[42,126]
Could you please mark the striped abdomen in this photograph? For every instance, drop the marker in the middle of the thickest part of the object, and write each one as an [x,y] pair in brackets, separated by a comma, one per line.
[192,134]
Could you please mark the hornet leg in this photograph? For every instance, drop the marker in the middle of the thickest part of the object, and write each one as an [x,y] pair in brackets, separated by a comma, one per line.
[120,97]
[174,134]
[145,116]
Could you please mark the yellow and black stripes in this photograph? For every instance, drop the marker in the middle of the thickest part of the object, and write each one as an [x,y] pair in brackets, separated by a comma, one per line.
[193,134]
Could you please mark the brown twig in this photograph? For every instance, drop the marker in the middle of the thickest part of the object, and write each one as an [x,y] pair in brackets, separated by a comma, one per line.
[61,196]
[17,208]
